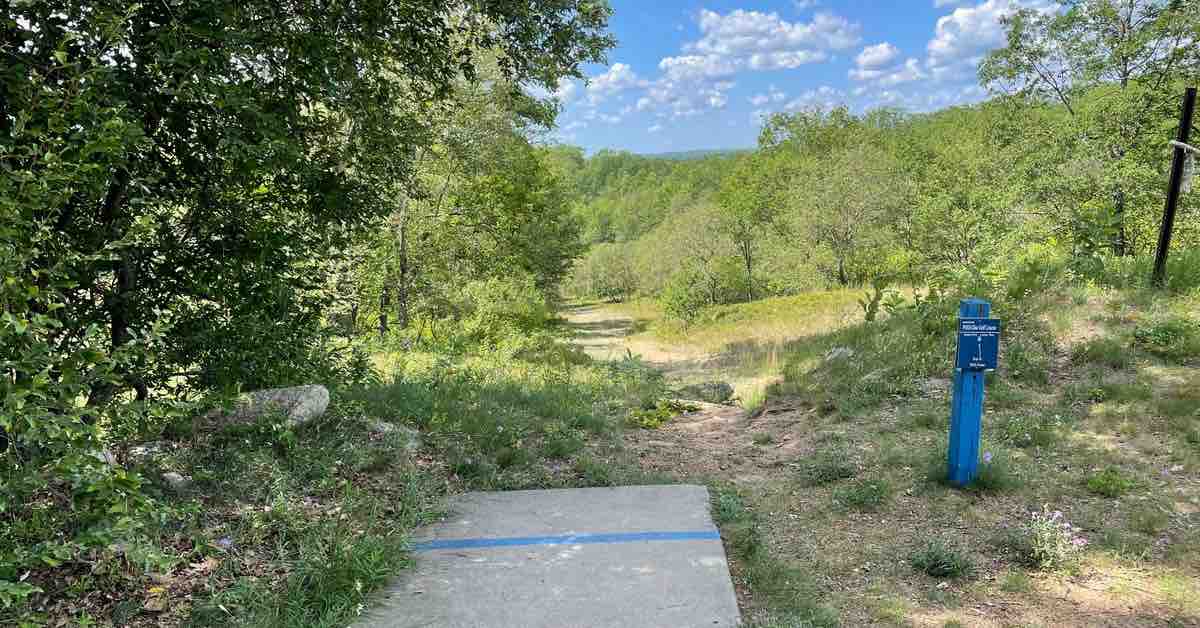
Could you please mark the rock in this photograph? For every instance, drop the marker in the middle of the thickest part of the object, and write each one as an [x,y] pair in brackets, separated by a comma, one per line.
[837,353]
[105,456]
[145,451]
[300,404]
[711,392]
[411,438]
[175,481]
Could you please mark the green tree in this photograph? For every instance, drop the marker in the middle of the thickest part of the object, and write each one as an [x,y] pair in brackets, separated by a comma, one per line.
[1113,65]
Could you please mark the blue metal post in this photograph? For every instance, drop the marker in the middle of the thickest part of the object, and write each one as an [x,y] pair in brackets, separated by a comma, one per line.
[966,409]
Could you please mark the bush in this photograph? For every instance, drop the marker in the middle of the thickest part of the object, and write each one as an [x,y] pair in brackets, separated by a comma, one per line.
[1046,540]
[682,298]
[1105,351]
[939,559]
[654,417]
[1111,482]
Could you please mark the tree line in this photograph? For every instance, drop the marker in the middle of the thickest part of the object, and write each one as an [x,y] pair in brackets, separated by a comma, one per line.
[1065,166]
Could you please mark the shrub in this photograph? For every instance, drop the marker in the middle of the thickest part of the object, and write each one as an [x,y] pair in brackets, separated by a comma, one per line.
[1111,482]
[864,495]
[683,298]
[1046,540]
[939,559]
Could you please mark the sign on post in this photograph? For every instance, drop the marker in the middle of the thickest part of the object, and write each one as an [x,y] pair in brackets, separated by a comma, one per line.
[978,352]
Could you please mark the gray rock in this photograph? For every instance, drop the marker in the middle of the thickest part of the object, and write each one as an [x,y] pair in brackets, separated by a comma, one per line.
[410,437]
[300,404]
[175,481]
[711,392]
[837,353]
[145,451]
[105,456]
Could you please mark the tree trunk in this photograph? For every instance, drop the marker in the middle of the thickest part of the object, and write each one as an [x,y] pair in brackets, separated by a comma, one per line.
[385,303]
[1119,247]
[402,297]
[842,272]
[749,259]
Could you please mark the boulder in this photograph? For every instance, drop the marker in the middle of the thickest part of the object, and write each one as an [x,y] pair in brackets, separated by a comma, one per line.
[410,438]
[175,481]
[300,404]
[837,353]
[711,392]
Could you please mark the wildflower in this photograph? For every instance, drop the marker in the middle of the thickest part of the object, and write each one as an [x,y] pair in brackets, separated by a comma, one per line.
[225,543]
[987,457]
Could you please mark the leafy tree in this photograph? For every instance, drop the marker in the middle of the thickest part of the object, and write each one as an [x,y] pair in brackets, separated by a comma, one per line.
[1113,65]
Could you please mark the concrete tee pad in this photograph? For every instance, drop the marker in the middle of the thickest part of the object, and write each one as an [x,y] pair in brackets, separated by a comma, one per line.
[639,556]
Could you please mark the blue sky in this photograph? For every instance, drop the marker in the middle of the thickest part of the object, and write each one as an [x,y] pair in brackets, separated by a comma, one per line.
[700,74]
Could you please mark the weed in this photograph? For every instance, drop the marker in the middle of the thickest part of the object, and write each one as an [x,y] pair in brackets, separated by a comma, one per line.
[661,412]
[1149,518]
[828,465]
[1045,541]
[996,474]
[1111,482]
[1104,350]
[940,559]
[864,495]
[763,438]
[1171,337]
[1016,582]
[1024,430]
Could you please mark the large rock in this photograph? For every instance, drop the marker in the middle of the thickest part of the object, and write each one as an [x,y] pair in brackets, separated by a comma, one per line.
[300,404]
[712,392]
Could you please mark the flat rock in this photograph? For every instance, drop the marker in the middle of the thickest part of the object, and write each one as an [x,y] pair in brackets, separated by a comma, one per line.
[300,404]
[567,558]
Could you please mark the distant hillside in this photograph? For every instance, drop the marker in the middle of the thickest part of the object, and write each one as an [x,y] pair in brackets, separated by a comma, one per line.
[698,154]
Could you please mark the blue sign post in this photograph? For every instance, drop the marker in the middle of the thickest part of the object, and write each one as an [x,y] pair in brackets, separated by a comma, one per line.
[978,352]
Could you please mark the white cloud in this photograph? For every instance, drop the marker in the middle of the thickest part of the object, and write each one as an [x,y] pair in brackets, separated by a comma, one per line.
[876,56]
[804,5]
[785,59]
[644,103]
[910,71]
[773,95]
[961,38]
[823,97]
[566,90]
[946,3]
[693,67]
[655,128]
[617,78]
[571,126]
[742,33]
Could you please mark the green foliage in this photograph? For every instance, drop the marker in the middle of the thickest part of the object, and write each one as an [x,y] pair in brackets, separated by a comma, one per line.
[940,559]
[867,495]
[1111,482]
[1172,337]
[1103,350]
[660,413]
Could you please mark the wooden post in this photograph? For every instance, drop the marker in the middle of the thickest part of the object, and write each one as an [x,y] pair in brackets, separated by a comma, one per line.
[1159,278]
[966,410]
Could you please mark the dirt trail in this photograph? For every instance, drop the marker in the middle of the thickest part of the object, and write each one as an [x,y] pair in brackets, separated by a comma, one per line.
[714,441]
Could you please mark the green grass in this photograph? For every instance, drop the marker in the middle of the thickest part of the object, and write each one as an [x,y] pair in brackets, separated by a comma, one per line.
[787,593]
[827,465]
[866,495]
[940,559]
